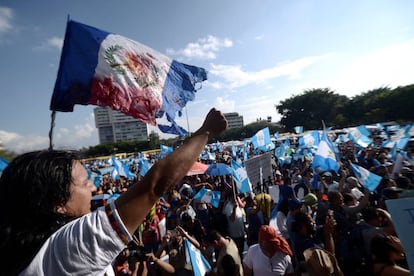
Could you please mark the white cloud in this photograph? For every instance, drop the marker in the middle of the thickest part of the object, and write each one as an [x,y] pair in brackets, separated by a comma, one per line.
[389,66]
[75,137]
[17,143]
[224,105]
[6,16]
[204,48]
[55,42]
[261,107]
[50,43]
[233,76]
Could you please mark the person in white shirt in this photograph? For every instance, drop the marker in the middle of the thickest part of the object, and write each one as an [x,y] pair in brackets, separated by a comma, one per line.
[46,225]
[271,256]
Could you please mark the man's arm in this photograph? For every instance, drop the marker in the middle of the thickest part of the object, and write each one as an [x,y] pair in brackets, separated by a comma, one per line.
[134,204]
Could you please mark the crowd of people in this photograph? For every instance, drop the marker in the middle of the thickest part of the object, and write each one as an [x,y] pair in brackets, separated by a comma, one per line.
[331,226]
[322,223]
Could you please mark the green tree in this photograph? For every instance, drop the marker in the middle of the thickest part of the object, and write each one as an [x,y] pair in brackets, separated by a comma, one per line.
[310,108]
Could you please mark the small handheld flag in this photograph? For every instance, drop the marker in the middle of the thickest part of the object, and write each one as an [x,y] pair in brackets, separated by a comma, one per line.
[368,179]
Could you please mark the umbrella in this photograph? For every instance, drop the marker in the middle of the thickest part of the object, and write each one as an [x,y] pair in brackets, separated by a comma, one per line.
[218,169]
[197,168]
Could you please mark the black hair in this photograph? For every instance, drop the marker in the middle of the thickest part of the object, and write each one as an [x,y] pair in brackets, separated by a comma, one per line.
[284,206]
[369,213]
[299,219]
[212,235]
[33,185]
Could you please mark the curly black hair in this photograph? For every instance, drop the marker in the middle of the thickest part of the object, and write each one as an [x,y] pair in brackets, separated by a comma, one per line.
[33,185]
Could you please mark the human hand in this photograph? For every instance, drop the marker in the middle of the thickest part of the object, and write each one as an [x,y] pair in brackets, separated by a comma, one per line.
[214,123]
[330,222]
[182,231]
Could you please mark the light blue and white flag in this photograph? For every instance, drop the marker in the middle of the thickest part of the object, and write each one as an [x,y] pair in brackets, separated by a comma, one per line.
[409,130]
[121,169]
[165,150]
[360,136]
[106,69]
[393,128]
[143,166]
[309,140]
[198,261]
[208,156]
[276,135]
[208,196]
[95,177]
[298,129]
[325,158]
[368,179]
[261,140]
[241,178]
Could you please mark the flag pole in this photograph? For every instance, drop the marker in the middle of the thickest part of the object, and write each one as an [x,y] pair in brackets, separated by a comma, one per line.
[188,124]
[52,125]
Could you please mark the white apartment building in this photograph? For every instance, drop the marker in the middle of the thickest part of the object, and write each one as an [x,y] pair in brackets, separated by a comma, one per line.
[234,120]
[114,126]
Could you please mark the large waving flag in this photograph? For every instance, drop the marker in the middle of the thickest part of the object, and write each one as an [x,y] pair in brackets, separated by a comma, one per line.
[105,69]
[241,178]
[261,140]
[198,261]
[368,179]
[208,196]
[325,158]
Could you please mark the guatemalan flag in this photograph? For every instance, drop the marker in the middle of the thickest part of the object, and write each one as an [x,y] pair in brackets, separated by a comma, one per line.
[105,69]
[325,158]
[165,150]
[241,178]
[360,136]
[120,169]
[368,179]
[261,140]
[208,196]
[199,263]
[309,140]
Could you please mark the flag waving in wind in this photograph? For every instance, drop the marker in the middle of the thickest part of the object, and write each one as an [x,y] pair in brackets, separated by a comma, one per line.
[261,140]
[368,179]
[241,178]
[325,158]
[208,196]
[105,69]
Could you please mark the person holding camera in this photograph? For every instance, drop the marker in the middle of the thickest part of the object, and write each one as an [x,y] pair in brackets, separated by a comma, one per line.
[46,225]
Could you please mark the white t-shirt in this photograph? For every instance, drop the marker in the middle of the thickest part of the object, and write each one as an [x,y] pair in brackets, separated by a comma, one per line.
[279,264]
[85,246]
[236,227]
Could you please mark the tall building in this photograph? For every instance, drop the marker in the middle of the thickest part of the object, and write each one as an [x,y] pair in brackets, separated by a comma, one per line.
[234,120]
[114,126]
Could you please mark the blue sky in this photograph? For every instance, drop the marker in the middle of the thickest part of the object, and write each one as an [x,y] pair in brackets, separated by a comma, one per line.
[257,54]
